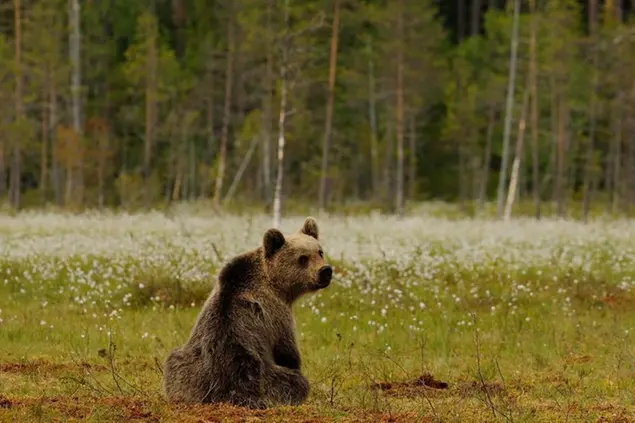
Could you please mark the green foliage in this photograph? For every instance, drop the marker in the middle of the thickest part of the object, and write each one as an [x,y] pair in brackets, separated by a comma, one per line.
[175,54]
[140,64]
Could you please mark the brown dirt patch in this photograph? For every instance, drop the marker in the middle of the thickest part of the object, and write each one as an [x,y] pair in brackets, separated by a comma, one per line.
[429,385]
[5,402]
[411,388]
[428,380]
[613,413]
[82,407]
[620,417]
[141,409]
[223,413]
[44,366]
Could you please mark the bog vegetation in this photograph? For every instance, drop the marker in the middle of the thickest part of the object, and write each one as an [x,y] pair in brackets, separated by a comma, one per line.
[427,319]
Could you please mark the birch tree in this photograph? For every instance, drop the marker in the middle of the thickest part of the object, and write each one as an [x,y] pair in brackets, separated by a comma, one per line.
[513,180]
[267,100]
[282,117]
[511,87]
[296,50]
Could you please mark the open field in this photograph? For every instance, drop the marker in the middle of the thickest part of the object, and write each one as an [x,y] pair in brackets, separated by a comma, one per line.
[428,319]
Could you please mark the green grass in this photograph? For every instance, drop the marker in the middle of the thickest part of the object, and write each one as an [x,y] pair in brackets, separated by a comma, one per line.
[535,324]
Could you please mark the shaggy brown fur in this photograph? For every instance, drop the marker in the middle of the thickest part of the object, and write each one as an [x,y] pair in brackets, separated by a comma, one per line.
[242,349]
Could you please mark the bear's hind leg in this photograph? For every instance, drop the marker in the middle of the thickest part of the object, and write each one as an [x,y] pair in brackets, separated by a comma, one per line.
[177,376]
[244,378]
[286,386]
[187,376]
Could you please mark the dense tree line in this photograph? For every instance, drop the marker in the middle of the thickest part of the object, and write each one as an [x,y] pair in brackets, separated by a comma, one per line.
[141,103]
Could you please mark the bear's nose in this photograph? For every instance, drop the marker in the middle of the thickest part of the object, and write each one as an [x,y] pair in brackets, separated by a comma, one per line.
[326,273]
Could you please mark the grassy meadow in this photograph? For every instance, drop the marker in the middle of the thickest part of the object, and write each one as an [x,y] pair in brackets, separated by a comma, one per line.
[427,319]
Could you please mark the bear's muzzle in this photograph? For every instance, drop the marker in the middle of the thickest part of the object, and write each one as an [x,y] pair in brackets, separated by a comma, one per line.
[325,275]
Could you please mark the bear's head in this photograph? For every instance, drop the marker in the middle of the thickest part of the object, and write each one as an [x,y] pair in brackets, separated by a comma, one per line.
[295,264]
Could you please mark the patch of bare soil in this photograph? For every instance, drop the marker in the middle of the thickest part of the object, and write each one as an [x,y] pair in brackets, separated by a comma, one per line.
[224,412]
[429,385]
[73,407]
[5,402]
[411,388]
[44,366]
[614,414]
[140,409]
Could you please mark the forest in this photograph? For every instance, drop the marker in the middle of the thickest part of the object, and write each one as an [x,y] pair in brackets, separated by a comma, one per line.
[332,103]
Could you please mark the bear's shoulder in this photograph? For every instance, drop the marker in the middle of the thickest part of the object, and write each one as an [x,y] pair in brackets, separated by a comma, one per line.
[241,274]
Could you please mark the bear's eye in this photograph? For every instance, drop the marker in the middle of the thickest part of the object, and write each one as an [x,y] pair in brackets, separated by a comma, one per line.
[321,253]
[304,260]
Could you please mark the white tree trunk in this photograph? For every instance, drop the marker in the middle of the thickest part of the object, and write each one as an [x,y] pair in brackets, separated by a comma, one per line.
[513,180]
[283,106]
[508,110]
[267,112]
[241,170]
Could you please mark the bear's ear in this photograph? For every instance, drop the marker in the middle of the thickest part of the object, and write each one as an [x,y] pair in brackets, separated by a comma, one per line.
[272,242]
[310,227]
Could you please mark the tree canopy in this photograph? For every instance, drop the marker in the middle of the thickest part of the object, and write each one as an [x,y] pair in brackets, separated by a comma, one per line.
[118,103]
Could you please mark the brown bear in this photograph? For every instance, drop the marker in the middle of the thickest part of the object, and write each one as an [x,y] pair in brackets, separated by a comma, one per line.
[242,349]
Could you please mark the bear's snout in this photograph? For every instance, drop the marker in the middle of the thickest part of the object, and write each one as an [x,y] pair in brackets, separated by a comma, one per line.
[325,275]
